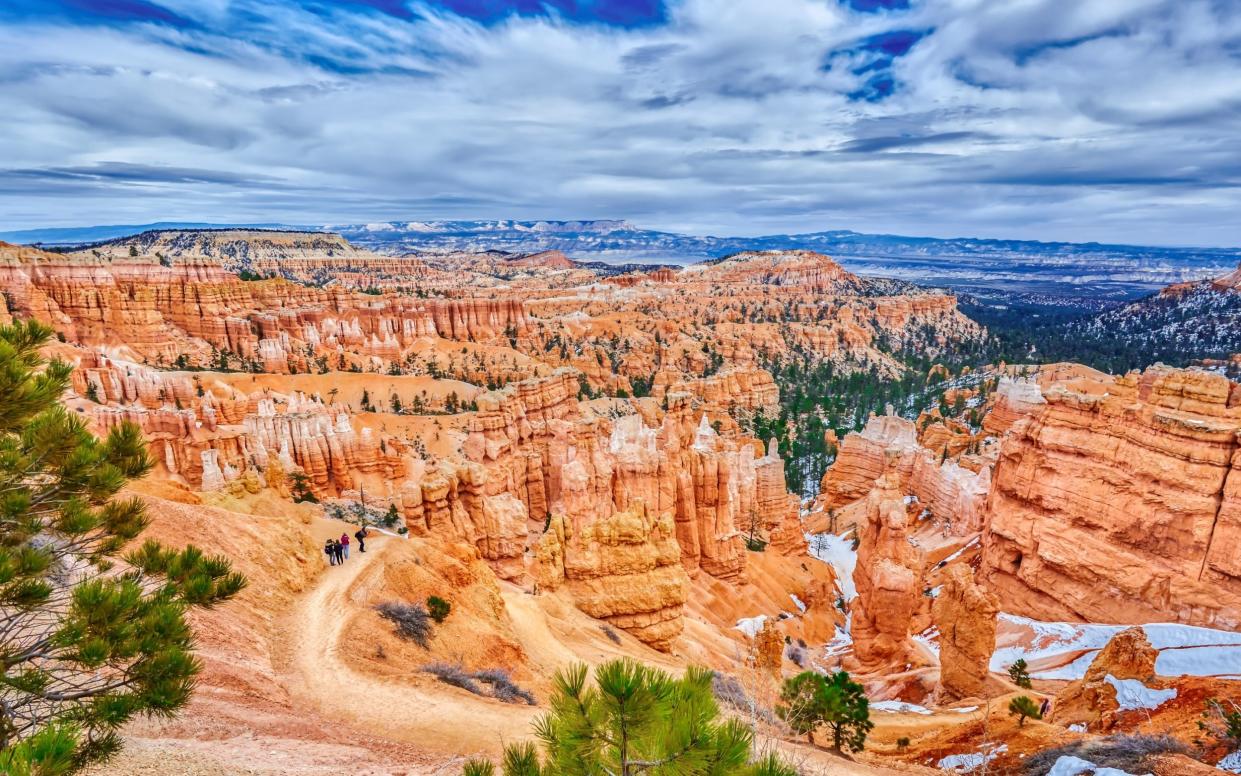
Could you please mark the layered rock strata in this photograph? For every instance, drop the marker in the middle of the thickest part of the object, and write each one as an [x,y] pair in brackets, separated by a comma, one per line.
[1119,501]
[965,614]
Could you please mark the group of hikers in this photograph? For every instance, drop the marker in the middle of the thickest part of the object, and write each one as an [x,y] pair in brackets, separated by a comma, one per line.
[337,550]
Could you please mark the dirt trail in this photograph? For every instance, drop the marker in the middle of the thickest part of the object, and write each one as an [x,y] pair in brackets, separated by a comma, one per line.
[415,711]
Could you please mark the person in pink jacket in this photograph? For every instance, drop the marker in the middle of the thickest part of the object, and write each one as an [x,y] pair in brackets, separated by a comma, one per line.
[344,544]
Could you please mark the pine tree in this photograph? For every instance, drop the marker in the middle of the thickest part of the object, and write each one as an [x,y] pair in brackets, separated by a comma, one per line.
[811,699]
[1023,706]
[1019,674]
[87,640]
[299,488]
[635,720]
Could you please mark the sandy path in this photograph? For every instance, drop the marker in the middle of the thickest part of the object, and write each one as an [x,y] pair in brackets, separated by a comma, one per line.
[437,719]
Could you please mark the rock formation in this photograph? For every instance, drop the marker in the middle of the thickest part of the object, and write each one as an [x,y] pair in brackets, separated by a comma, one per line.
[949,491]
[1091,700]
[624,569]
[1119,502]
[965,614]
[887,575]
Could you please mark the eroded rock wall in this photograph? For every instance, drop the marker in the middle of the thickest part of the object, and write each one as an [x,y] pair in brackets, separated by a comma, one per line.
[1120,501]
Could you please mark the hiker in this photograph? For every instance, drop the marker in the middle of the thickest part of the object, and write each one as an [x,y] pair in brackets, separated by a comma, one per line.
[360,535]
[344,544]
[330,552]
[339,552]
[1045,708]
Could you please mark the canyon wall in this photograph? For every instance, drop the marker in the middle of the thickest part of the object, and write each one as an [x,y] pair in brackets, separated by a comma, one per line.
[195,309]
[1119,502]
[951,492]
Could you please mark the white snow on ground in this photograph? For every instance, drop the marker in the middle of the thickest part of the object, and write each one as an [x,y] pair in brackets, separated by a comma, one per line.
[1183,649]
[1230,763]
[968,763]
[965,709]
[750,626]
[842,642]
[838,552]
[1074,670]
[899,707]
[1077,727]
[801,607]
[1200,661]
[931,646]
[935,591]
[1132,694]
[957,554]
[1068,765]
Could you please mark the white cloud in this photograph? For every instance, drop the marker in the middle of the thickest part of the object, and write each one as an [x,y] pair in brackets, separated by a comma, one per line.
[1074,119]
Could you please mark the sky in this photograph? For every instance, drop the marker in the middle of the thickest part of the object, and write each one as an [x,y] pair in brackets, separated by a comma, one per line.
[1108,120]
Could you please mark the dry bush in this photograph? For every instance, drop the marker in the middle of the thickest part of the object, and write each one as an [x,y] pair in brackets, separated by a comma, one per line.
[497,679]
[411,620]
[1125,752]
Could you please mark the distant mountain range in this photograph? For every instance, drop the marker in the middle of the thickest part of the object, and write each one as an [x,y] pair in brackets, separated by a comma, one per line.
[1093,270]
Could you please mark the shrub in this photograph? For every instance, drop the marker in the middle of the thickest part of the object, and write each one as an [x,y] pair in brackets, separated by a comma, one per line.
[391,517]
[1225,721]
[1018,673]
[411,620]
[1023,706]
[902,743]
[502,686]
[438,608]
[729,691]
[1127,753]
[611,634]
[454,675]
[796,654]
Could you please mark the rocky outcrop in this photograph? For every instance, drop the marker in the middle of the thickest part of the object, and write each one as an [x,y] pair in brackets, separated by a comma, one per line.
[624,569]
[206,435]
[949,491]
[1091,700]
[1011,401]
[805,269]
[965,614]
[1119,501]
[887,575]
[534,442]
[194,310]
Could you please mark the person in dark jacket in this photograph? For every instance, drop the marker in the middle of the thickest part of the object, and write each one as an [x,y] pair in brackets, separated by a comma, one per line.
[360,535]
[339,551]
[330,551]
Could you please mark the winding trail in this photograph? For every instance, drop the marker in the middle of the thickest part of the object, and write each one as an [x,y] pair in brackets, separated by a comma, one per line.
[418,711]
[443,721]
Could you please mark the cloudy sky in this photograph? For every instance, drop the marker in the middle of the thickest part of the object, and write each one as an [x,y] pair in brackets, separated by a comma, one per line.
[1111,120]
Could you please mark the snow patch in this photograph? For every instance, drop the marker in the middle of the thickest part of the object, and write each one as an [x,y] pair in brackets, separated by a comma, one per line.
[750,626]
[1068,765]
[968,763]
[1132,694]
[899,707]
[837,552]
[801,607]
[971,543]
[1230,763]
[1184,650]
[1077,727]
